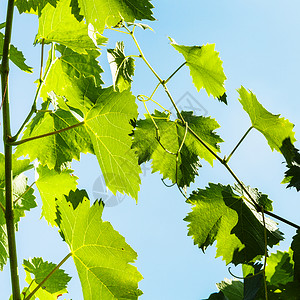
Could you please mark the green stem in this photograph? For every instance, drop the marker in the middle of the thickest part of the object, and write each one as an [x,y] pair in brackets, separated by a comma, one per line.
[45,134]
[166,81]
[9,213]
[41,82]
[143,56]
[48,276]
[237,145]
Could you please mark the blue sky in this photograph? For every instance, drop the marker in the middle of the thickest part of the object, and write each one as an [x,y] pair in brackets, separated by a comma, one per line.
[259,43]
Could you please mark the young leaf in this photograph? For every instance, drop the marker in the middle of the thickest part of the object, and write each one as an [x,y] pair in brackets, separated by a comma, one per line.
[280,268]
[104,12]
[171,135]
[101,255]
[121,66]
[57,282]
[15,56]
[275,129]
[57,149]
[33,6]
[296,255]
[108,124]
[67,77]
[205,67]
[52,186]
[60,25]
[219,214]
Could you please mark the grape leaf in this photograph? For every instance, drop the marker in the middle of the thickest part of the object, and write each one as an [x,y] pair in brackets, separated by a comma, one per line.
[292,156]
[296,255]
[33,6]
[171,135]
[100,253]
[205,67]
[57,282]
[67,77]
[280,268]
[108,124]
[260,198]
[15,56]
[232,289]
[275,129]
[219,214]
[60,25]
[18,167]
[110,13]
[52,186]
[121,66]
[23,198]
[57,149]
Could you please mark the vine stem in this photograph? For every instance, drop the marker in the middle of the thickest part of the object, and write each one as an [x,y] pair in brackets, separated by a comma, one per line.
[222,161]
[9,213]
[45,134]
[48,276]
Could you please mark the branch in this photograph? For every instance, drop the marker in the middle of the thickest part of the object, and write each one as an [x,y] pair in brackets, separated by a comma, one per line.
[48,276]
[45,134]
[9,214]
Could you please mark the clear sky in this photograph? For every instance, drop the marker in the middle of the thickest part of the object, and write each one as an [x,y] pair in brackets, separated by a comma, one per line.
[259,42]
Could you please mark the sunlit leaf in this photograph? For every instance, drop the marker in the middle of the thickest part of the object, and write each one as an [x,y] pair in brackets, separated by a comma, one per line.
[275,129]
[205,67]
[121,66]
[110,13]
[220,215]
[57,282]
[52,186]
[172,134]
[101,255]
[108,124]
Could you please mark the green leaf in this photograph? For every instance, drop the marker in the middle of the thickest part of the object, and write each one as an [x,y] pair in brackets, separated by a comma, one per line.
[60,25]
[101,255]
[15,56]
[296,255]
[260,198]
[67,77]
[53,186]
[292,156]
[57,282]
[18,167]
[121,66]
[275,129]
[280,268]
[108,124]
[205,67]
[220,215]
[172,135]
[3,245]
[57,149]
[232,289]
[110,13]
[33,6]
